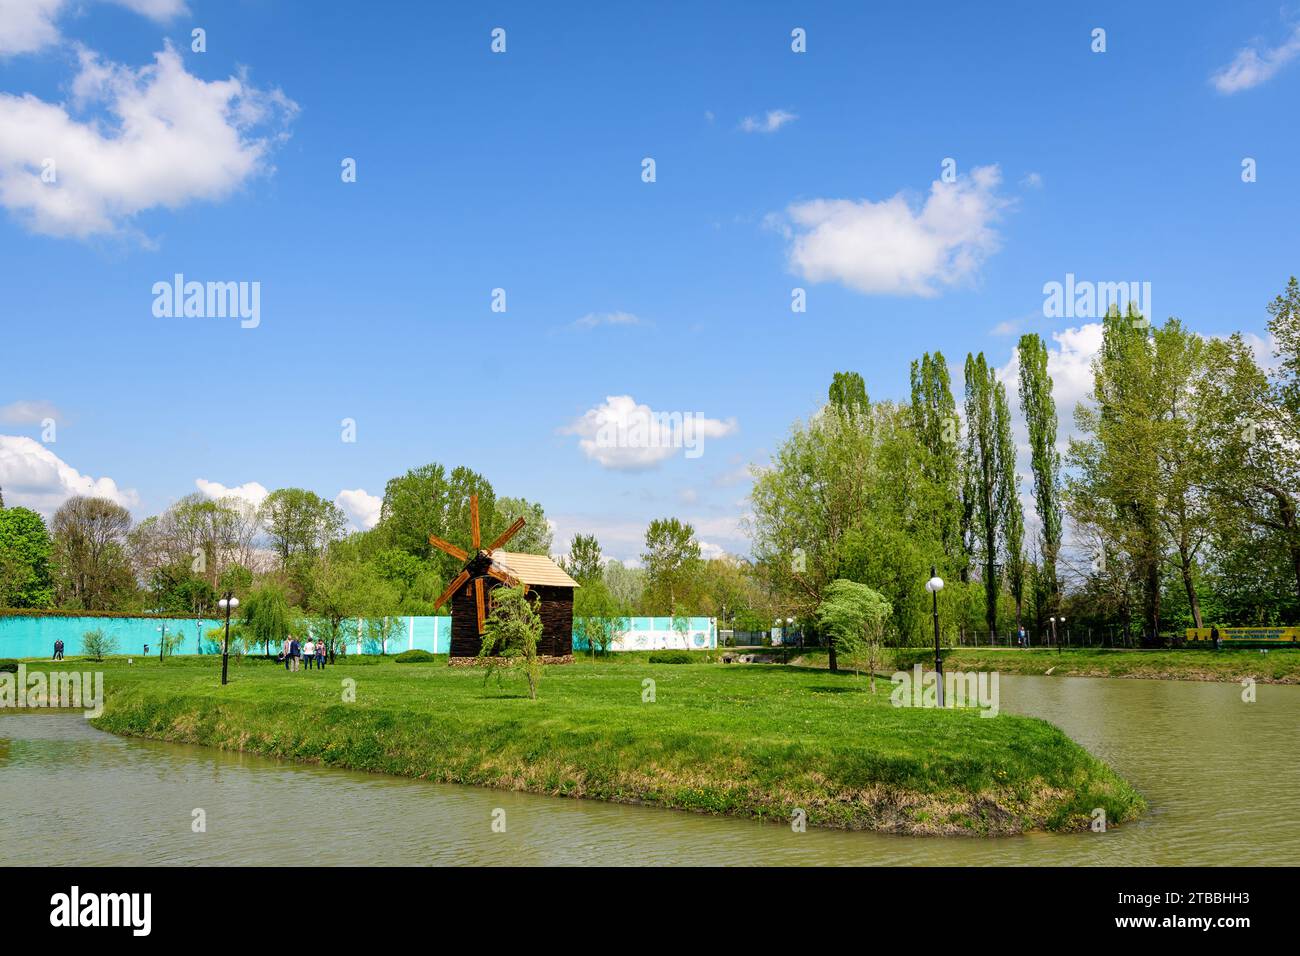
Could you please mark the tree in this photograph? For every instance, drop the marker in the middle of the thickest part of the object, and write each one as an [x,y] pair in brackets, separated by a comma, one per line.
[848,392]
[427,500]
[25,549]
[672,561]
[300,523]
[339,592]
[90,553]
[1013,515]
[1045,461]
[97,645]
[510,636]
[934,420]
[855,615]
[626,585]
[535,536]
[988,487]
[584,563]
[266,616]
[598,619]
[847,497]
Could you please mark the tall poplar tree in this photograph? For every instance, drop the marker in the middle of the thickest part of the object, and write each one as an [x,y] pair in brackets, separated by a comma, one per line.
[934,419]
[1045,461]
[986,486]
[1013,514]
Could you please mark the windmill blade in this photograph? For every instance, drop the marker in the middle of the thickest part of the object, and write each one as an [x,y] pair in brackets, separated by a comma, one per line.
[448,547]
[506,535]
[478,600]
[452,589]
[473,521]
[503,577]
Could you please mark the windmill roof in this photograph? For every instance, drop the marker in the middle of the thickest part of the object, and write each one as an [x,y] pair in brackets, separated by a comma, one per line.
[532,568]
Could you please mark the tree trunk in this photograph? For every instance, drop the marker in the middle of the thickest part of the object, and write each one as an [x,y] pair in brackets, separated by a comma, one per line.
[1185,563]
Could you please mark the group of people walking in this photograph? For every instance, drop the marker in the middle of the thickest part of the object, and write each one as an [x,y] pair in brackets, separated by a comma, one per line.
[295,654]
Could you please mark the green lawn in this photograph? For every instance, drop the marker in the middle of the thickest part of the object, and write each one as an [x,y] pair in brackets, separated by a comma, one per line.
[1278,666]
[749,740]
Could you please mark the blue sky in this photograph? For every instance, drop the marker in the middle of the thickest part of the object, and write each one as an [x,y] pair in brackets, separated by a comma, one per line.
[522,171]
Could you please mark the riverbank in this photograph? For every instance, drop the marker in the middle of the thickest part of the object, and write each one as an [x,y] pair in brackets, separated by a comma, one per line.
[1278,666]
[745,740]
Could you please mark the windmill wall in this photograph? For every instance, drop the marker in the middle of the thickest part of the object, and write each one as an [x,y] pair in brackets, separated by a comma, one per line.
[556,612]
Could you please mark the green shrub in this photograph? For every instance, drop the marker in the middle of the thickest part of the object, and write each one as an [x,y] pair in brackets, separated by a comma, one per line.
[415,657]
[8,665]
[671,657]
[98,645]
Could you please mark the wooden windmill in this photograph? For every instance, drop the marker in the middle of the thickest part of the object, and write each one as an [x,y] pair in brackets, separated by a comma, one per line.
[491,567]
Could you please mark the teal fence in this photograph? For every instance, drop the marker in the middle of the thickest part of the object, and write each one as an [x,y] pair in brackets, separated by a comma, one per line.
[34,636]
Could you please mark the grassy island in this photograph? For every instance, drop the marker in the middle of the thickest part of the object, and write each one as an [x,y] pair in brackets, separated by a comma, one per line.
[746,740]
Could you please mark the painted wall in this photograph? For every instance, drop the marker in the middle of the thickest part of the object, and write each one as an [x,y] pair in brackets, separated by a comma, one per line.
[658,634]
[35,636]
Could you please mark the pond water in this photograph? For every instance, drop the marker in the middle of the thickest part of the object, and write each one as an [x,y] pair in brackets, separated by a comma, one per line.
[1220,775]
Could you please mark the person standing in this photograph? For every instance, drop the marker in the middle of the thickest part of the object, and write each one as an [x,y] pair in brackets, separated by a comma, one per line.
[285,647]
[58,650]
[309,654]
[320,655]
[295,652]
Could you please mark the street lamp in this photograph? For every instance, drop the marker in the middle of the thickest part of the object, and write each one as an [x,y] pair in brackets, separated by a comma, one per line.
[1054,640]
[162,641]
[227,604]
[934,586]
[1065,632]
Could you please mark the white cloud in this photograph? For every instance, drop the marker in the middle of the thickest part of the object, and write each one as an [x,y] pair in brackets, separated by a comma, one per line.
[772,121]
[173,139]
[1032,181]
[34,477]
[251,491]
[888,247]
[27,25]
[30,25]
[29,413]
[593,319]
[1254,65]
[362,508]
[626,436]
[1007,327]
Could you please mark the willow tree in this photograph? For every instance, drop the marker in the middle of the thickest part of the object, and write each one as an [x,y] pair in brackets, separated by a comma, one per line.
[1045,462]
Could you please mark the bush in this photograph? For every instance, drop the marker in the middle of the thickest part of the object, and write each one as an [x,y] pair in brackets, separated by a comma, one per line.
[97,645]
[415,657]
[671,657]
[8,665]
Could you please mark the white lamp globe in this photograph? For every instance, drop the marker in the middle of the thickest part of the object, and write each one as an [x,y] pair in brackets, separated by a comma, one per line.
[934,585]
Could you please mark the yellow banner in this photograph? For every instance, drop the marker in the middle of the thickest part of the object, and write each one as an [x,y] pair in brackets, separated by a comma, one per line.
[1269,635]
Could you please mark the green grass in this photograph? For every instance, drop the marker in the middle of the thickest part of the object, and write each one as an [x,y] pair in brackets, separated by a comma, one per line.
[1278,666]
[749,740]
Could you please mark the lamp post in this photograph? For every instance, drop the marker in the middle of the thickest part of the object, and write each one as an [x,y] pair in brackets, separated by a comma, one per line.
[1065,632]
[1054,640]
[934,586]
[227,604]
[162,640]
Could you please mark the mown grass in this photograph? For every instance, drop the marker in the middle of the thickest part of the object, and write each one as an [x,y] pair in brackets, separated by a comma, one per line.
[749,740]
[1278,666]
